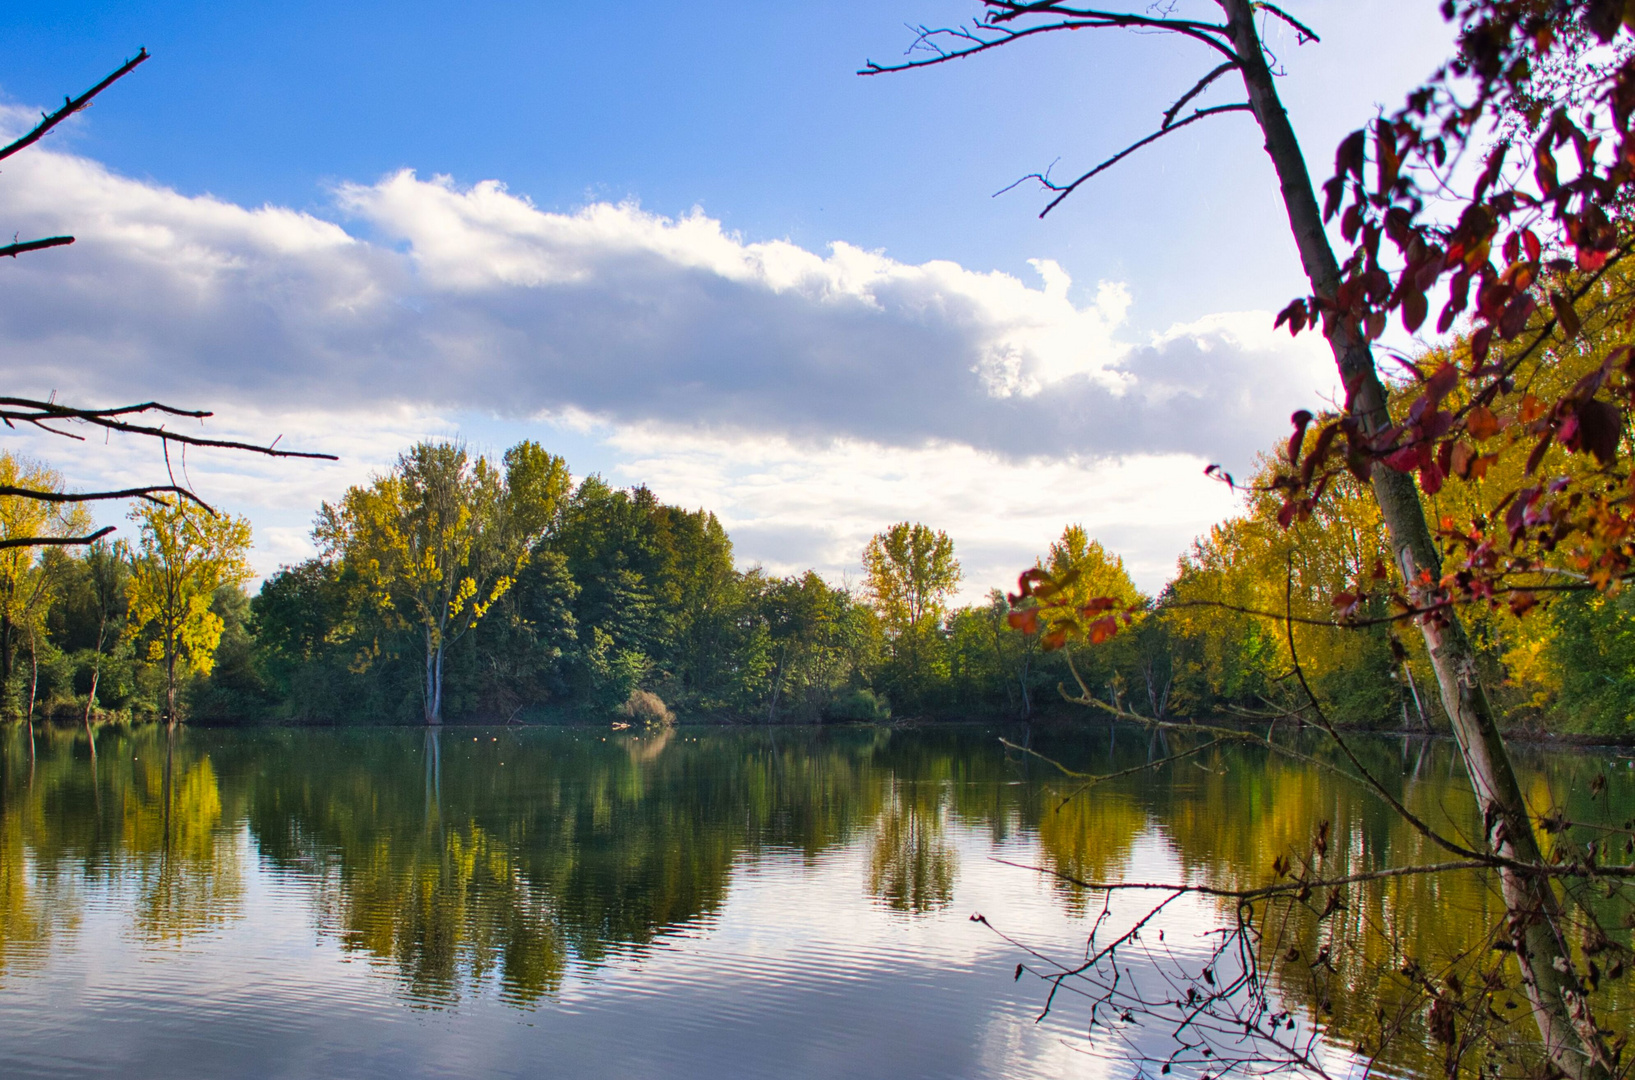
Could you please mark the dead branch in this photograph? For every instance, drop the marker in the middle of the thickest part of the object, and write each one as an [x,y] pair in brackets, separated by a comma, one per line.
[71,106]
[1305,32]
[1202,84]
[39,414]
[1065,190]
[55,541]
[20,247]
[989,33]
[1263,891]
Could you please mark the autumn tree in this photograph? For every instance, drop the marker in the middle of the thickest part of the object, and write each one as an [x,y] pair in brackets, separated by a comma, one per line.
[909,573]
[25,579]
[1518,247]
[182,557]
[441,537]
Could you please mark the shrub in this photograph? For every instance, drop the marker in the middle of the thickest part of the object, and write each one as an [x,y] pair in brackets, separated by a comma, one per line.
[647,709]
[861,705]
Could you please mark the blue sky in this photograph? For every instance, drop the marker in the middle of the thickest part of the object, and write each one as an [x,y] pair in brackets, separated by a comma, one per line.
[250,239]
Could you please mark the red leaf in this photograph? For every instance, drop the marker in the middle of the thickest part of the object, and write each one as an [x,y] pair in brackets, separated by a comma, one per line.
[1530,242]
[1479,342]
[1348,158]
[1481,423]
[1300,419]
[1295,315]
[1590,260]
[1430,478]
[1404,460]
[1599,426]
[1516,314]
[1026,620]
[1439,384]
[1565,315]
[1414,310]
[1103,629]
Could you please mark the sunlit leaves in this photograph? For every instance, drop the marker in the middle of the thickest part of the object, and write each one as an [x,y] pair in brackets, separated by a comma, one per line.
[440,539]
[182,557]
[1529,255]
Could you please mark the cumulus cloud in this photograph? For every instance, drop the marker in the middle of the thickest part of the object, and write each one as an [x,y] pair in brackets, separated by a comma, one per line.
[790,508]
[450,298]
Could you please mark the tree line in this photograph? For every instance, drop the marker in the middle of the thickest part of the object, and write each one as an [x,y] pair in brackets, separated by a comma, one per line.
[456,587]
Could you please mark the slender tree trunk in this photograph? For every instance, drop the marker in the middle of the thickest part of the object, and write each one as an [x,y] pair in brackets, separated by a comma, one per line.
[96,673]
[1551,983]
[777,684]
[170,680]
[434,680]
[33,674]
[5,649]
[1413,688]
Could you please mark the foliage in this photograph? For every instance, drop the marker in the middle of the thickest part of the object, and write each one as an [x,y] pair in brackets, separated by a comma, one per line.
[909,573]
[182,558]
[439,539]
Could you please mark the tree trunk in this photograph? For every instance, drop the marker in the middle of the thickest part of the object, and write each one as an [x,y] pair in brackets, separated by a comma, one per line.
[170,681]
[434,680]
[777,684]
[1419,706]
[1553,988]
[96,674]
[33,674]
[6,657]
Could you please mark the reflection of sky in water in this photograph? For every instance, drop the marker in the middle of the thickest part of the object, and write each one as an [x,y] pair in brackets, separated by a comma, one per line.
[801,973]
[721,905]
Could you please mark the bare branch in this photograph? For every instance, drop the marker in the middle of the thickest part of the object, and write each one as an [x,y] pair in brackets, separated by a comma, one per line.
[983,36]
[1306,33]
[1200,87]
[19,248]
[1263,891]
[55,541]
[1068,189]
[1092,779]
[149,493]
[72,106]
[14,411]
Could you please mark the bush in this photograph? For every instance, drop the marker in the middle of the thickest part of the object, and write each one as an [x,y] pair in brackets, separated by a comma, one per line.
[863,705]
[647,709]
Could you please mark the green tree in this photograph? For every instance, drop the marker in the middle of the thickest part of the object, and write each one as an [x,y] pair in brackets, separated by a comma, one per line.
[909,573]
[107,571]
[441,537]
[183,556]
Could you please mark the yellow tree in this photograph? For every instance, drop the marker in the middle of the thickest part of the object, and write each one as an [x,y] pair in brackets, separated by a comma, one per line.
[183,556]
[1093,570]
[441,537]
[25,524]
[910,572]
[1087,571]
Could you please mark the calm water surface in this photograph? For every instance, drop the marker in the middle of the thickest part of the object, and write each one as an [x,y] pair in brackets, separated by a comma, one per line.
[704,903]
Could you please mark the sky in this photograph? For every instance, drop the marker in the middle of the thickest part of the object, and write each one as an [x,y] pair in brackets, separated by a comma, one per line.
[681,245]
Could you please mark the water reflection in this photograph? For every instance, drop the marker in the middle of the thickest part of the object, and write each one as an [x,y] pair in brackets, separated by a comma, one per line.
[465,862]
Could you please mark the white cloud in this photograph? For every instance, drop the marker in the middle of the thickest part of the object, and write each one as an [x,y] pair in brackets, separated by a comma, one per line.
[791,507]
[809,398]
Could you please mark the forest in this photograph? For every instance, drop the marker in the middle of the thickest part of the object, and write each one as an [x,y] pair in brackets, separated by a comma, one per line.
[454,587]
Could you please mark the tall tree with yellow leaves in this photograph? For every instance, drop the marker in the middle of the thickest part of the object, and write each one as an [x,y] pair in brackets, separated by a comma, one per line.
[183,556]
[441,537]
[25,581]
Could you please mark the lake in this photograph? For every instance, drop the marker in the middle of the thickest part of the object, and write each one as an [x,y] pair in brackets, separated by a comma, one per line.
[704,902]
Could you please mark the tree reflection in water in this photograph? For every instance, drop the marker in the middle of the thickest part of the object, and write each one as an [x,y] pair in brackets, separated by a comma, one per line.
[470,861]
